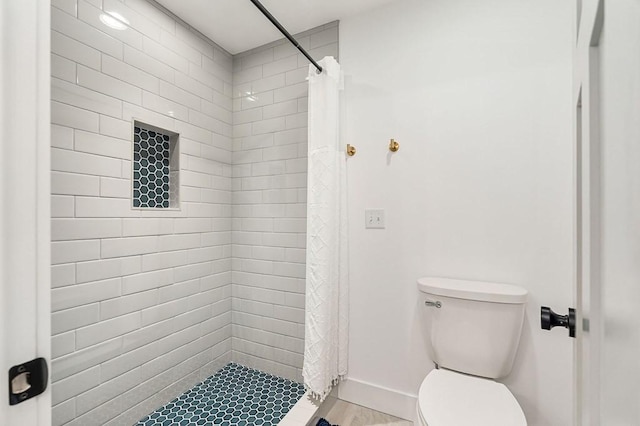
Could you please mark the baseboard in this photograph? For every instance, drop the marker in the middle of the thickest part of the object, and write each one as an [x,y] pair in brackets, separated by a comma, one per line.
[379,398]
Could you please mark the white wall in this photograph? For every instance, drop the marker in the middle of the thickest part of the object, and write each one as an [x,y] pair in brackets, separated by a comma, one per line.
[620,133]
[479,96]
[141,300]
[269,197]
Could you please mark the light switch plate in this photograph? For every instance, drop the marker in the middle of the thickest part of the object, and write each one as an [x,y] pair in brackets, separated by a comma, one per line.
[374,219]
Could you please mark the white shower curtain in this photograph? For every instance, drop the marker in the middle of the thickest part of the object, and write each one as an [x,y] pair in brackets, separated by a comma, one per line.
[326,323]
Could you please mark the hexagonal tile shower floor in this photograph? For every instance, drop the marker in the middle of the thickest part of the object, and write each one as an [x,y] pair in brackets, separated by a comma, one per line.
[234,396]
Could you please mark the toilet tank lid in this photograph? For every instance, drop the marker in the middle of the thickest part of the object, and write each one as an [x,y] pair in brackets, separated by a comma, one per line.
[482,291]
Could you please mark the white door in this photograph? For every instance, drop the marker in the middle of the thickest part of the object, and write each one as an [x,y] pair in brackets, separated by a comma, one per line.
[607,129]
[24,204]
[619,76]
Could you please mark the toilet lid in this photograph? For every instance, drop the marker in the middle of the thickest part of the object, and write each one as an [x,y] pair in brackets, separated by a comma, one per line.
[447,398]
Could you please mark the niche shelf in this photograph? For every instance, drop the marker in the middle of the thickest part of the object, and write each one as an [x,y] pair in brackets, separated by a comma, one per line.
[156,168]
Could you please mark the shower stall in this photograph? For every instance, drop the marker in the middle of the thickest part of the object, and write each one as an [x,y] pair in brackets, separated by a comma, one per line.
[178,182]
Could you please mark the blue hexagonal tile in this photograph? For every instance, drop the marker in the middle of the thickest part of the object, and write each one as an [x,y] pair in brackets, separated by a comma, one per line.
[235,396]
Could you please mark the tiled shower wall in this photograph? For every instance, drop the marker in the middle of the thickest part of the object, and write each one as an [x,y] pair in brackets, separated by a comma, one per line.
[141,299]
[269,201]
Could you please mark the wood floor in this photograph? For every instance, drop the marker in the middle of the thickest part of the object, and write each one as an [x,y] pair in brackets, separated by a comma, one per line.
[343,413]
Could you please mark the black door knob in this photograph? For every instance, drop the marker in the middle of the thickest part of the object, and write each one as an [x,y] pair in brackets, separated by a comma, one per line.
[549,319]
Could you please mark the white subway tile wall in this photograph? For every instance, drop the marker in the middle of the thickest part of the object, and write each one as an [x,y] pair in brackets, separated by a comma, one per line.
[148,303]
[269,201]
[141,300]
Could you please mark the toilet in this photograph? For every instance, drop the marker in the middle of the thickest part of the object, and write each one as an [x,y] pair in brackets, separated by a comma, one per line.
[474,332]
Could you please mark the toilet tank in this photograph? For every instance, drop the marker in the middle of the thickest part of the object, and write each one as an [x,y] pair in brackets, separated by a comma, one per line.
[476,330]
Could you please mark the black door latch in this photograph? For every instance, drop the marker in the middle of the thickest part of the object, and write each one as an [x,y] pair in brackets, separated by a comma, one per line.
[27,380]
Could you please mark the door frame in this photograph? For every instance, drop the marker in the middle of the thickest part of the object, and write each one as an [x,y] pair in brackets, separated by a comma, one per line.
[25,235]
[587,282]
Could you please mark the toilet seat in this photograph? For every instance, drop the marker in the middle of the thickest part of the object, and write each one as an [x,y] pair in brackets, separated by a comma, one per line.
[448,398]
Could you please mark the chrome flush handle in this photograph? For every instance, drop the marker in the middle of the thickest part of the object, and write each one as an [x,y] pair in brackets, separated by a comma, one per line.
[430,303]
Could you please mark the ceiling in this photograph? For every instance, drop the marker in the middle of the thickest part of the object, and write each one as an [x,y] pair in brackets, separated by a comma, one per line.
[237,25]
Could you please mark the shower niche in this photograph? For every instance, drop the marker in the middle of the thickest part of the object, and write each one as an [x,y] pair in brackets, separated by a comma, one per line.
[155,168]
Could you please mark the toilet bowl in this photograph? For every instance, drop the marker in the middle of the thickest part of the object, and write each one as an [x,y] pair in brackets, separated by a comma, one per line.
[474,332]
[449,398]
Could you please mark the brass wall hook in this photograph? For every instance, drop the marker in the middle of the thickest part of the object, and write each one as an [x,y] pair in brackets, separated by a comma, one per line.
[393,145]
[351,150]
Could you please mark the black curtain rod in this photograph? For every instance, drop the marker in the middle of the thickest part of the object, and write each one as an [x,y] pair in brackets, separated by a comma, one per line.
[282,29]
